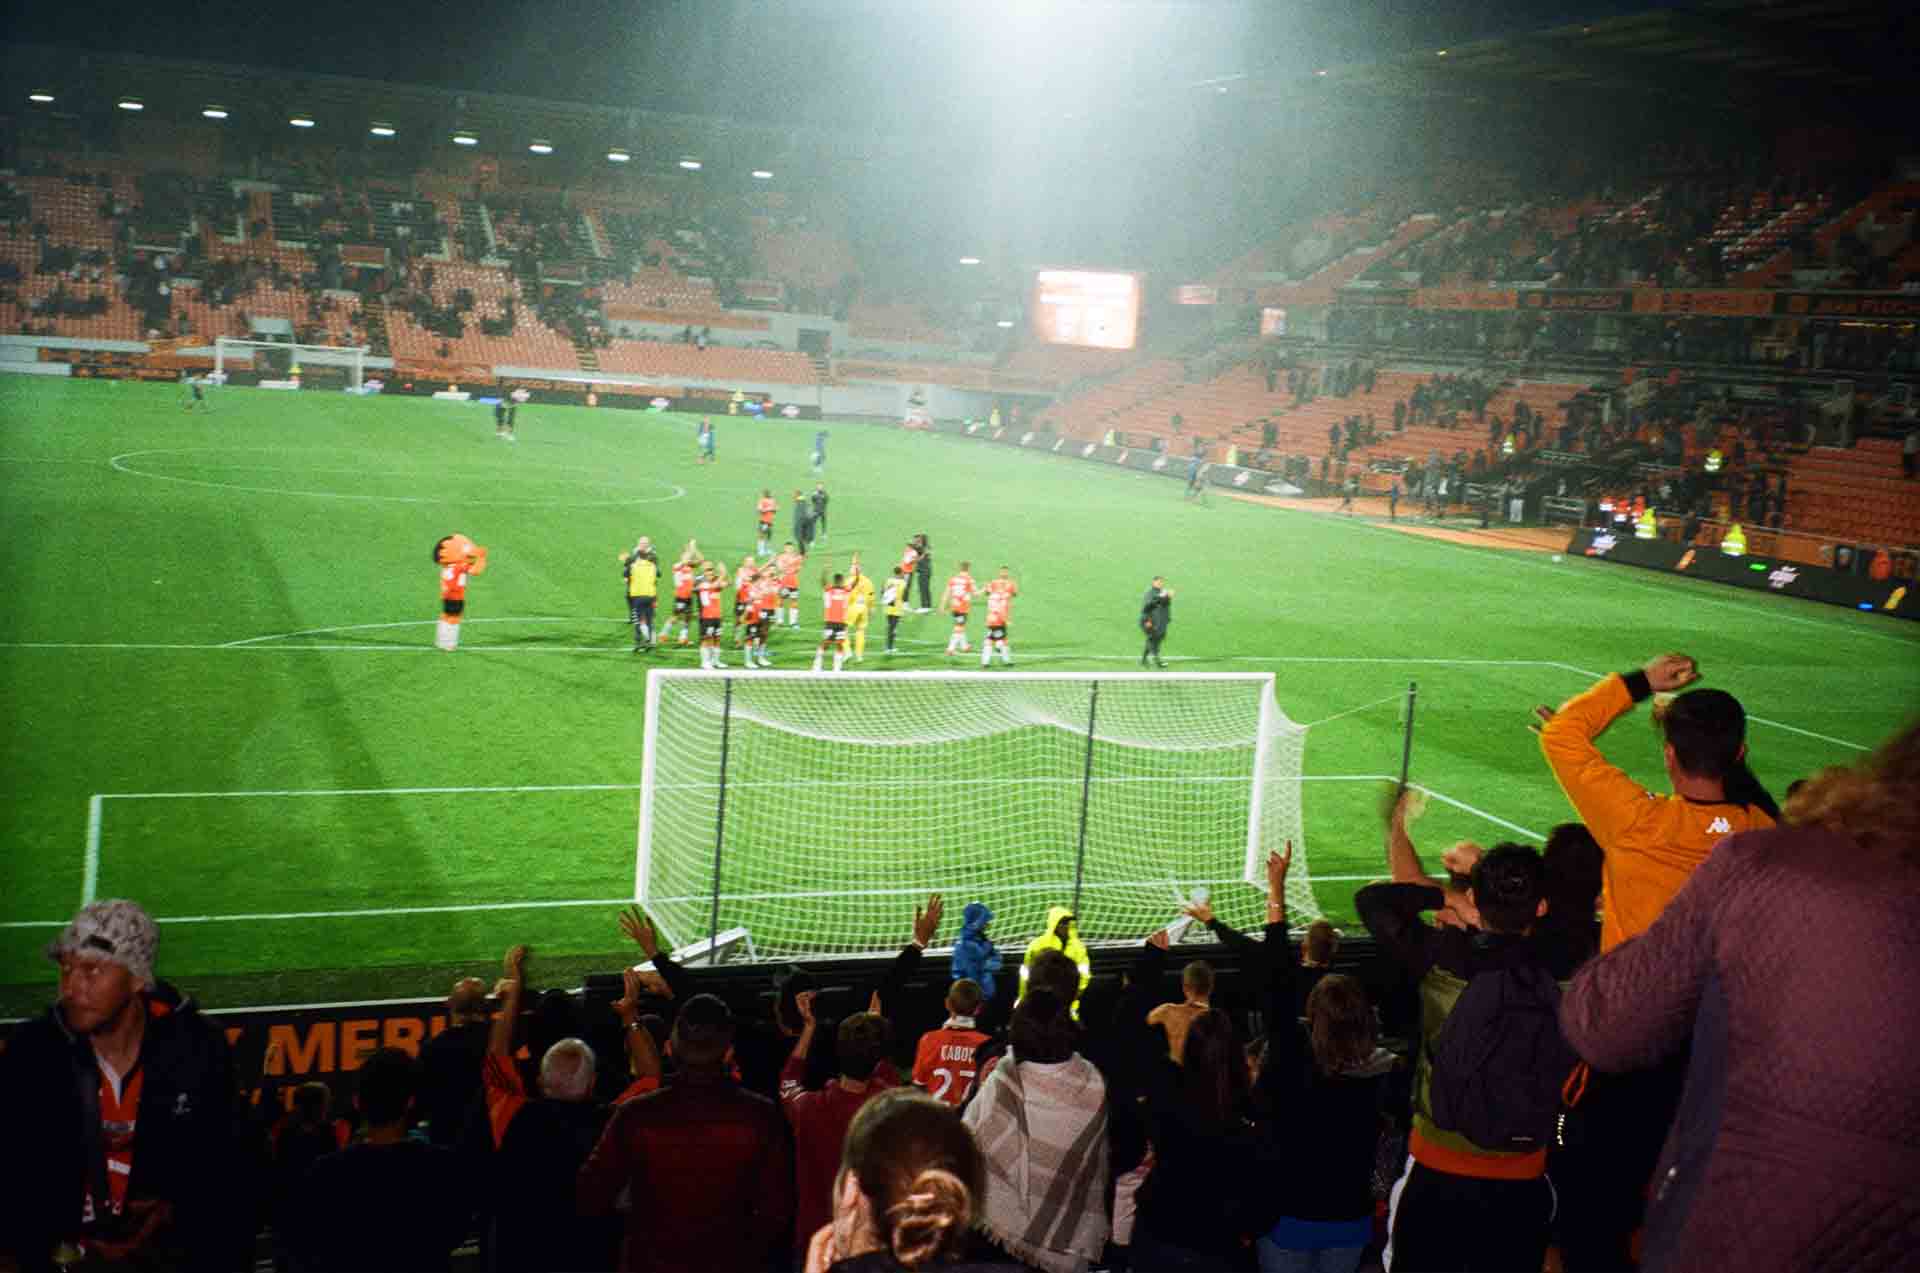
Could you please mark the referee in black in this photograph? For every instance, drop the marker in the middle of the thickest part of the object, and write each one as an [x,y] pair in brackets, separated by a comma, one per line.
[1156,612]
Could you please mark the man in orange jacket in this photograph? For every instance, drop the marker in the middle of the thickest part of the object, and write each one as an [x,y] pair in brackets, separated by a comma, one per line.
[1651,844]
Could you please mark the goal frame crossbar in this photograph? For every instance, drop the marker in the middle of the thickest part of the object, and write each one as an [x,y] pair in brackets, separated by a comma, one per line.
[1253,867]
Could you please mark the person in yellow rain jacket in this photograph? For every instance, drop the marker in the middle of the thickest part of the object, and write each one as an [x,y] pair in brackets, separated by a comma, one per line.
[1062,935]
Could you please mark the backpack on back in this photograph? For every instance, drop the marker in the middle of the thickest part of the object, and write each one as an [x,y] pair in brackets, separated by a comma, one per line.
[1500,1060]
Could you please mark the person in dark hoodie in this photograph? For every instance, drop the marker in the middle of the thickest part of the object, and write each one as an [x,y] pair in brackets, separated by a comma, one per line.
[975,957]
[123,1088]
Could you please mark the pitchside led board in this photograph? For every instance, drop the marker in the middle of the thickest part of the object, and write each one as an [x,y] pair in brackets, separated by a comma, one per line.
[1082,307]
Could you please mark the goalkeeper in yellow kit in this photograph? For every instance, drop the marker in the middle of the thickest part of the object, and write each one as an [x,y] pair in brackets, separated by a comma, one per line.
[859,608]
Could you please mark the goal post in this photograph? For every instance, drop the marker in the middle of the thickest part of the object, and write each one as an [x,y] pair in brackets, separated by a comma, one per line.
[816,810]
[351,359]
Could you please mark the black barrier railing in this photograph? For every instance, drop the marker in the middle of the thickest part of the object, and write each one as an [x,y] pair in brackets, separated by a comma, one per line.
[1888,596]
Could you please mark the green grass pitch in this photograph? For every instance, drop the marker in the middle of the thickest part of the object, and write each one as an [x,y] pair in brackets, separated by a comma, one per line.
[201,604]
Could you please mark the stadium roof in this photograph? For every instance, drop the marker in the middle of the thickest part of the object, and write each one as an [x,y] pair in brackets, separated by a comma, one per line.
[1822,58]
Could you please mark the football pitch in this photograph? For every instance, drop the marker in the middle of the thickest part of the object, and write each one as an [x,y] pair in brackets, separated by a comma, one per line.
[222,696]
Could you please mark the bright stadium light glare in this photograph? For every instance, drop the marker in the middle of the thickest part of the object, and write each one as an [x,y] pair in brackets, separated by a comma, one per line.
[42,98]
[1321,73]
[382,130]
[131,104]
[619,156]
[691,165]
[969,260]
[761,174]
[1005,322]
[465,139]
[301,121]
[540,147]
[214,112]
[1439,52]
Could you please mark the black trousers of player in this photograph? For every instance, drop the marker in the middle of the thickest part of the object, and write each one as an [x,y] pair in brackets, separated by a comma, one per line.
[925,577]
[893,626]
[640,611]
[1443,1223]
[1154,637]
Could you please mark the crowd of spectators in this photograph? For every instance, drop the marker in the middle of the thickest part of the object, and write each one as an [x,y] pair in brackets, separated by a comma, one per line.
[1638,1001]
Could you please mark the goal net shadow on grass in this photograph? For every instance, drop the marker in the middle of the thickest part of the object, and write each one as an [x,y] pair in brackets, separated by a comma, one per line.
[816,812]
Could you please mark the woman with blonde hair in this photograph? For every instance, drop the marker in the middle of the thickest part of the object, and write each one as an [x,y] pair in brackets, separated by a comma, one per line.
[1788,961]
[911,1185]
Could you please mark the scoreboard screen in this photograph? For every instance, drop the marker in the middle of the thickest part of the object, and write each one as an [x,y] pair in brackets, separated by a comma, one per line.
[1081,307]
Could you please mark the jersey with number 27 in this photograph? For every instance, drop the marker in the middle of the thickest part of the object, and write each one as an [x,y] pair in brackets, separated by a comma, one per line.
[944,1065]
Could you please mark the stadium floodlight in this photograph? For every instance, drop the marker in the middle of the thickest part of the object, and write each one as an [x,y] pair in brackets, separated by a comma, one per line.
[1118,794]
[1005,322]
[619,156]
[761,174]
[1321,73]
[213,112]
[691,165]
[540,147]
[382,130]
[300,121]
[131,104]
[465,139]
[969,260]
[42,98]
[1439,52]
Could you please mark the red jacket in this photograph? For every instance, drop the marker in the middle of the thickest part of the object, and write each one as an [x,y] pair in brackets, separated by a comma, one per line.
[711,1167]
[820,1119]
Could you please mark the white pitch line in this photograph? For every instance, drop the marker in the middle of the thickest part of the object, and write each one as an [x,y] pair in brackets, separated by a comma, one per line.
[405,623]
[366,791]
[1478,813]
[394,910]
[90,861]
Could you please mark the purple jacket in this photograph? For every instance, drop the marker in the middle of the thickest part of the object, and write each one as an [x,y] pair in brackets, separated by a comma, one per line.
[1789,960]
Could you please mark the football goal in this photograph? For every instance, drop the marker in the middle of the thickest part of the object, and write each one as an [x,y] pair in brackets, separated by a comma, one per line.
[808,813]
[282,361]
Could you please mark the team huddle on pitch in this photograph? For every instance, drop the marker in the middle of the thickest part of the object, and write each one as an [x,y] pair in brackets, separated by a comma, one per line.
[766,596]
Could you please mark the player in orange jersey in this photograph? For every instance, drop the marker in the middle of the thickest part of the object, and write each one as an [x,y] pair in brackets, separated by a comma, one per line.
[943,1063]
[958,598]
[766,509]
[1000,594]
[712,593]
[835,617]
[788,563]
[763,608]
[459,558]
[686,572]
[743,577]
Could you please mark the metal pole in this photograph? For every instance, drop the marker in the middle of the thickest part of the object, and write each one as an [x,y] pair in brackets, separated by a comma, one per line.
[720,821]
[1406,750]
[1086,797]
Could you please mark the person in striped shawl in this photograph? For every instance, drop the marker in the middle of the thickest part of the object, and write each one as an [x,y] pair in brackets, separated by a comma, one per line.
[1040,1119]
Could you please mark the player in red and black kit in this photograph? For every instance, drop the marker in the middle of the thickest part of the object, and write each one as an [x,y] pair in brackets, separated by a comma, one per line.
[743,578]
[1000,594]
[763,607]
[712,592]
[958,599]
[766,509]
[686,572]
[458,558]
[835,618]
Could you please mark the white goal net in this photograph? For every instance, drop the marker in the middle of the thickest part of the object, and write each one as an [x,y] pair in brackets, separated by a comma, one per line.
[282,361]
[814,811]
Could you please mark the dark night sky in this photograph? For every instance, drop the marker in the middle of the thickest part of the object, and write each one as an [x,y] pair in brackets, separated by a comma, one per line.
[830,62]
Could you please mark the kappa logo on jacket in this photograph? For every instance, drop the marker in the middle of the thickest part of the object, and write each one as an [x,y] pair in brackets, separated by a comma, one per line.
[1719,826]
